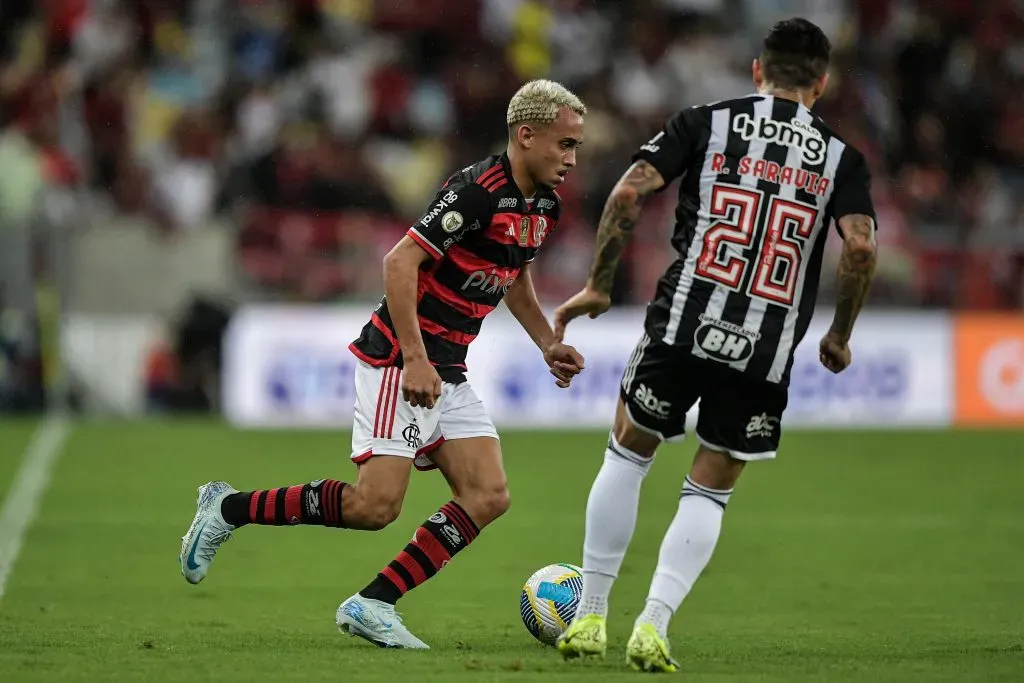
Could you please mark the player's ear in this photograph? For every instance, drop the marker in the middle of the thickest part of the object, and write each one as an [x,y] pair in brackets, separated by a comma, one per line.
[525,135]
[820,85]
[756,73]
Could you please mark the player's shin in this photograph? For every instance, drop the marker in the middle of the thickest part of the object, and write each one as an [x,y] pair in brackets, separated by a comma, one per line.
[685,551]
[318,503]
[611,519]
[435,542]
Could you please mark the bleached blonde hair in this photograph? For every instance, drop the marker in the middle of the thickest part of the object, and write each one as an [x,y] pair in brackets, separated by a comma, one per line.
[539,101]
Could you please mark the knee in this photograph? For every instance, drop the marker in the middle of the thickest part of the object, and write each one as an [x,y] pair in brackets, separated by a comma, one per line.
[373,513]
[499,502]
[486,505]
[715,469]
[382,513]
[637,441]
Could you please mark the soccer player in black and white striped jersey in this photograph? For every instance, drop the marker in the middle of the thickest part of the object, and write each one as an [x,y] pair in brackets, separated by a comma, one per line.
[762,180]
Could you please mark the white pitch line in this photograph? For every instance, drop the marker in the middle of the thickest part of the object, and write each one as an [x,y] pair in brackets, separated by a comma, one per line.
[27,490]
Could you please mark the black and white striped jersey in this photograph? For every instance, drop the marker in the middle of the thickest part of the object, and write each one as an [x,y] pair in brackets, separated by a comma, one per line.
[762,179]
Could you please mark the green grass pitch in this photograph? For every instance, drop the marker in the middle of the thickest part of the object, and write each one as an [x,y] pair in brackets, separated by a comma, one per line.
[866,557]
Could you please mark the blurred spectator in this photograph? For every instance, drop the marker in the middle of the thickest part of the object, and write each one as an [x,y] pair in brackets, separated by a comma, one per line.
[184,375]
[21,368]
[186,180]
[323,127]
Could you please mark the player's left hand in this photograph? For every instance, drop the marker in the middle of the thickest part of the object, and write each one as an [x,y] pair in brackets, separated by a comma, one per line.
[565,363]
[588,302]
[834,353]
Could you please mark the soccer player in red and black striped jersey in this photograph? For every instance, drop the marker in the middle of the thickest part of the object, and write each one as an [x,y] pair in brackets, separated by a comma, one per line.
[470,250]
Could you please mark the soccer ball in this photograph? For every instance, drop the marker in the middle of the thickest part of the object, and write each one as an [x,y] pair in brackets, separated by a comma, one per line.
[549,599]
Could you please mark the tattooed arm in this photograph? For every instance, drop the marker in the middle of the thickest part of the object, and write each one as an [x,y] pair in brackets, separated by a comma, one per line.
[618,219]
[657,163]
[620,214]
[856,269]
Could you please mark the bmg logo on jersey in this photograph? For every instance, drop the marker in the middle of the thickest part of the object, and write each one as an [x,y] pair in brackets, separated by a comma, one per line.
[794,133]
[724,342]
[650,403]
[490,282]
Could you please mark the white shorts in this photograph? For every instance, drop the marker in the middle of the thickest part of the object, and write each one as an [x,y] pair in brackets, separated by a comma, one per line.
[385,423]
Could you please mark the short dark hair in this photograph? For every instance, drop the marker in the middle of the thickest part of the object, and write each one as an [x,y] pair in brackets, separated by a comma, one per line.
[795,54]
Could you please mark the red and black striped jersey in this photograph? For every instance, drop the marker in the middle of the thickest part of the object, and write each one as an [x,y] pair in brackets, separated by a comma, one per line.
[480,231]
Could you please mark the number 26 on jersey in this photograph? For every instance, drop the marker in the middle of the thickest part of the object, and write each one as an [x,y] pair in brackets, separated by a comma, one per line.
[785,232]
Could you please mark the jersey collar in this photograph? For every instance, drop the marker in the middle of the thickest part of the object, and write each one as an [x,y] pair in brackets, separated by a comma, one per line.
[506,165]
[541,192]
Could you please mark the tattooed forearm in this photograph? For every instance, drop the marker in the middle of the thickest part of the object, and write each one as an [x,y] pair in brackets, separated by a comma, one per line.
[616,225]
[856,268]
[620,215]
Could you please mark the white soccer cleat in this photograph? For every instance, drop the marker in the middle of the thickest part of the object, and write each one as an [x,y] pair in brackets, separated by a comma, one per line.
[377,622]
[208,532]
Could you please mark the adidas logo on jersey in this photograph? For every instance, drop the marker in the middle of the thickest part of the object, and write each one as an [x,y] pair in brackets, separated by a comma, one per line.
[792,133]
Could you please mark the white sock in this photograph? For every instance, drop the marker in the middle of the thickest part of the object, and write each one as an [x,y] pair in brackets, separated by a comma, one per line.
[685,550]
[658,613]
[611,519]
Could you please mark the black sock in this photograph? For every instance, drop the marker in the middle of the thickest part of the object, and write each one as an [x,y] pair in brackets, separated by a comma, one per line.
[317,503]
[445,533]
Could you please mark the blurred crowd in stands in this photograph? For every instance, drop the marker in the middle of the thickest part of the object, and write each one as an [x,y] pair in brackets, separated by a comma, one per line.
[320,128]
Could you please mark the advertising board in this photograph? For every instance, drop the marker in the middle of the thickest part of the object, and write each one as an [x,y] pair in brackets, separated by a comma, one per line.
[290,366]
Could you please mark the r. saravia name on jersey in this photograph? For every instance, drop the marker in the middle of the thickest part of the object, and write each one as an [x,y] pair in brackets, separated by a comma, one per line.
[794,133]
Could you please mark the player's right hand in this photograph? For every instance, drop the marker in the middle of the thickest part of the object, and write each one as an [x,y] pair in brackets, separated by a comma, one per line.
[834,352]
[421,385]
[588,302]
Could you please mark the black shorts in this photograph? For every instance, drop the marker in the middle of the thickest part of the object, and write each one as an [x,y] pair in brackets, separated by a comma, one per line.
[738,414]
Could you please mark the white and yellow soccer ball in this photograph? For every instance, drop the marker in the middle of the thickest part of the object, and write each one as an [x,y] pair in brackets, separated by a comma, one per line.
[549,599]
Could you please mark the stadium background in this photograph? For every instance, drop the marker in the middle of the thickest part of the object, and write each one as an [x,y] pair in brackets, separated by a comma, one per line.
[194,200]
